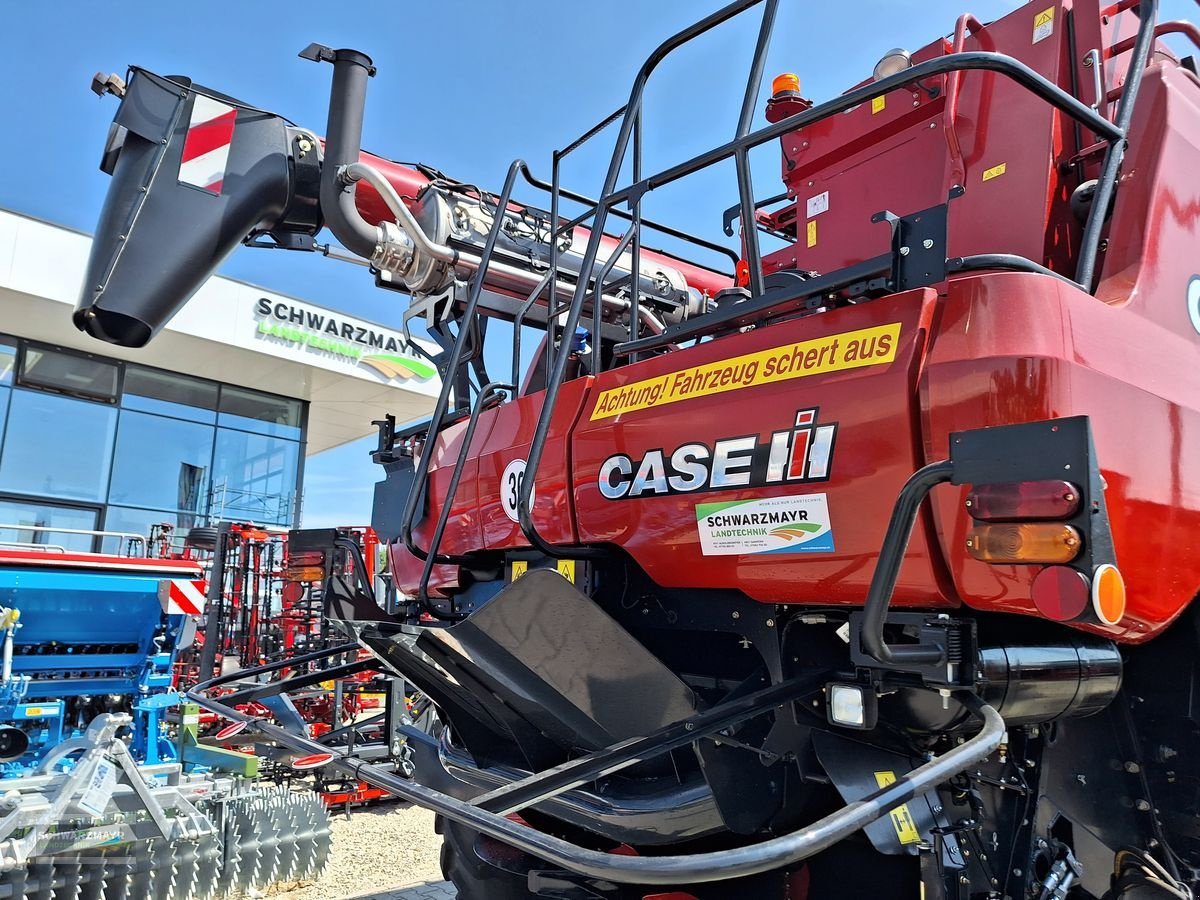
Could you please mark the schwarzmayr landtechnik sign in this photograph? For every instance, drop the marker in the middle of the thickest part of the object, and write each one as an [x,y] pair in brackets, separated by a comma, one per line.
[318,328]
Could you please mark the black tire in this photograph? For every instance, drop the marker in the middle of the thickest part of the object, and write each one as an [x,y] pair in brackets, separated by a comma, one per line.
[202,538]
[472,877]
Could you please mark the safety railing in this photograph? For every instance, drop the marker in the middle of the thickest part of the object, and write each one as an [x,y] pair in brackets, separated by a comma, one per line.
[129,540]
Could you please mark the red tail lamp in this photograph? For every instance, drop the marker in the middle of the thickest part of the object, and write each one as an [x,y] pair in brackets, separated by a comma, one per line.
[1060,593]
[1046,543]
[1024,501]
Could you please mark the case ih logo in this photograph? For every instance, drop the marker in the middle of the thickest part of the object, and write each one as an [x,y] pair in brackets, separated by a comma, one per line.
[803,453]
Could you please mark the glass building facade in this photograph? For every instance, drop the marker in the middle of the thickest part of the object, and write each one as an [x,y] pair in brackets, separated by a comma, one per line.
[88,443]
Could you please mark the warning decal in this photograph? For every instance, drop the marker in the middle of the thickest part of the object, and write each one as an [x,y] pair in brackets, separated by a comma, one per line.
[206,146]
[902,820]
[834,353]
[180,597]
[1043,25]
[995,171]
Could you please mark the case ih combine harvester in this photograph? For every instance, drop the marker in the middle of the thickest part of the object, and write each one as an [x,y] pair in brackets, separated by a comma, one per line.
[917,619]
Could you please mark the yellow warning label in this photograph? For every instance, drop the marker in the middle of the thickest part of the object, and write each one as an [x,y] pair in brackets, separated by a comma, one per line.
[995,171]
[1043,25]
[902,820]
[519,568]
[566,568]
[39,710]
[878,104]
[812,233]
[834,353]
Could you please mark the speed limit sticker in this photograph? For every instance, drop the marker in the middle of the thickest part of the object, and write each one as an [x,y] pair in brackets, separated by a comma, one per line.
[510,488]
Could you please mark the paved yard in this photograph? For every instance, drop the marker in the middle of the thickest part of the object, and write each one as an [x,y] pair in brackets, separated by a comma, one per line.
[430,890]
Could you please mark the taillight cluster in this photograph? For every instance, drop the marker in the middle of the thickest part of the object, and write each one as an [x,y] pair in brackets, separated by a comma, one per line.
[1031,523]
[306,565]
[1024,522]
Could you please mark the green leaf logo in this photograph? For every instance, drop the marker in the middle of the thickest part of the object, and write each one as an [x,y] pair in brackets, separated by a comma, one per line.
[796,530]
[403,367]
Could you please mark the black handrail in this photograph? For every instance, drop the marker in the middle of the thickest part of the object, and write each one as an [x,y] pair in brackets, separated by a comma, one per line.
[975,60]
[598,293]
[669,230]
[519,320]
[1089,247]
[887,567]
[489,390]
[629,121]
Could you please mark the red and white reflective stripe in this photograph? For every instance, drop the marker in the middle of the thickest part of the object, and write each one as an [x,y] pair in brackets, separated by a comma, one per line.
[206,147]
[182,598]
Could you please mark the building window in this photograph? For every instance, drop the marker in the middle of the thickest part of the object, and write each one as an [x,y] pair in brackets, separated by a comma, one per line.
[35,516]
[144,446]
[140,521]
[261,413]
[149,390]
[8,359]
[71,374]
[161,463]
[254,477]
[56,446]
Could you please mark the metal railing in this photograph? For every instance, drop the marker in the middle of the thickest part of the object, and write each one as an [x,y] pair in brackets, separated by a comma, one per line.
[129,539]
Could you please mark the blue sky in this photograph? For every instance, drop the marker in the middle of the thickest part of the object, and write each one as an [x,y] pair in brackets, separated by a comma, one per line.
[463,85]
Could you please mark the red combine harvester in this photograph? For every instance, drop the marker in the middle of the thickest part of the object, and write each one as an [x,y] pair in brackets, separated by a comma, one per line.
[860,568]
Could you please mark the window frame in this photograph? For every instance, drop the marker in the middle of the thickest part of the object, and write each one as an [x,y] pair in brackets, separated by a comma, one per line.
[35,500]
[20,379]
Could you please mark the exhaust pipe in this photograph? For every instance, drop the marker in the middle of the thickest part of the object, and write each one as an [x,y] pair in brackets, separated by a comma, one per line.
[343,138]
[194,174]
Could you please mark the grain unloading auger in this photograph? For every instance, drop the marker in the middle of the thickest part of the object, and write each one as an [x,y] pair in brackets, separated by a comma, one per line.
[185,193]
[868,533]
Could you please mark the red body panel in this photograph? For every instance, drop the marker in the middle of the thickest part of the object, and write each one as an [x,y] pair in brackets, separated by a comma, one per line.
[477,517]
[875,450]
[1014,348]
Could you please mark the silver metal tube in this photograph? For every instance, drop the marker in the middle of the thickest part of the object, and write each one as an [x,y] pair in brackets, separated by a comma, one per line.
[693,867]
[406,220]
[124,535]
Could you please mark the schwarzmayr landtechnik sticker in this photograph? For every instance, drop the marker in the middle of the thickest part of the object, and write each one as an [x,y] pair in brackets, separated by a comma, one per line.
[798,524]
